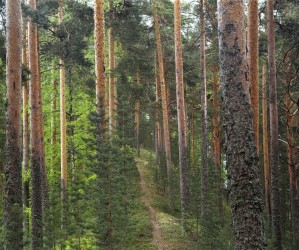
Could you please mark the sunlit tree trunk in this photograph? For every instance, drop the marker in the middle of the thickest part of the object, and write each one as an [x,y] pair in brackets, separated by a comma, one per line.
[13,230]
[163,90]
[181,109]
[274,153]
[112,87]
[35,159]
[53,123]
[137,115]
[99,38]
[242,161]
[63,142]
[204,132]
[266,143]
[253,64]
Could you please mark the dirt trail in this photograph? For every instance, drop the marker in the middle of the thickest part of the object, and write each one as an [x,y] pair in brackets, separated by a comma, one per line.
[145,199]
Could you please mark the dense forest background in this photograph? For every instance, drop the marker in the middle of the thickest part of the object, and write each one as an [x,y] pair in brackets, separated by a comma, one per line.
[101,71]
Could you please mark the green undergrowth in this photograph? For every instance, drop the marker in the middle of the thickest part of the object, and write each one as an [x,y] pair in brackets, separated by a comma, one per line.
[173,236]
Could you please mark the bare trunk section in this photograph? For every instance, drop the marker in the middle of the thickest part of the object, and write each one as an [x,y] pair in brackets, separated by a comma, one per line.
[13,233]
[181,110]
[99,38]
[274,153]
[204,132]
[216,141]
[253,64]
[242,160]
[159,146]
[36,166]
[137,115]
[53,124]
[292,152]
[163,90]
[112,87]
[266,143]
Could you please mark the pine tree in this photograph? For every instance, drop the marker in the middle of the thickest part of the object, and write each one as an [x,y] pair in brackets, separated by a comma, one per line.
[13,229]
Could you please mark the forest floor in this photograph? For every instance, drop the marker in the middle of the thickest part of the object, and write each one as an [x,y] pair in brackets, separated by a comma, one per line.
[166,229]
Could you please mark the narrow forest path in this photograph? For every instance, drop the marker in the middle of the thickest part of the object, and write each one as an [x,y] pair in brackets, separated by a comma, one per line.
[145,198]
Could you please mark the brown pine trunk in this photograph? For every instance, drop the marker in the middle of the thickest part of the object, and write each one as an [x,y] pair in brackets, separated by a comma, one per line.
[112,87]
[204,132]
[163,90]
[137,116]
[36,173]
[242,161]
[181,110]
[292,154]
[25,127]
[13,233]
[253,64]
[274,153]
[159,146]
[266,143]
[216,140]
[99,38]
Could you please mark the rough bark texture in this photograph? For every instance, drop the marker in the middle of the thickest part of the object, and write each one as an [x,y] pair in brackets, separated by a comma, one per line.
[216,140]
[292,151]
[36,173]
[266,143]
[181,110]
[253,64]
[163,90]
[99,37]
[137,116]
[25,126]
[274,153]
[242,161]
[204,132]
[112,87]
[13,233]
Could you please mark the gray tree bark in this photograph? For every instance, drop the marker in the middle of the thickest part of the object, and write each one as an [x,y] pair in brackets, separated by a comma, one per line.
[245,193]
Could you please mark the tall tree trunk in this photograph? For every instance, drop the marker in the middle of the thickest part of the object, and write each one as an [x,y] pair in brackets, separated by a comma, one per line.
[41,136]
[53,123]
[216,141]
[266,143]
[25,126]
[204,132]
[274,153]
[13,236]
[242,160]
[181,109]
[158,125]
[292,153]
[253,64]
[63,142]
[163,90]
[137,115]
[36,171]
[112,87]
[99,37]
